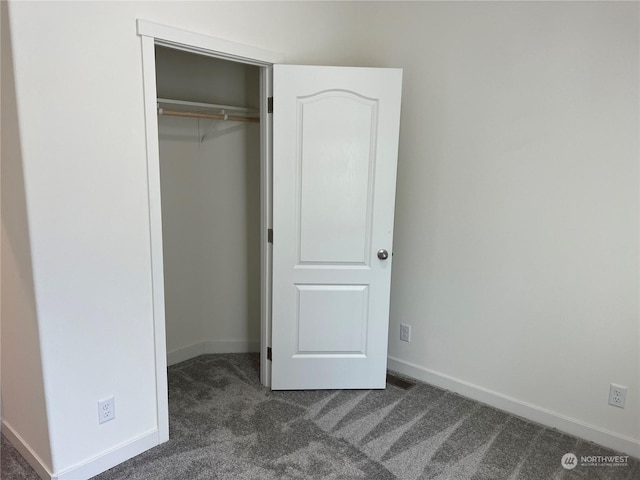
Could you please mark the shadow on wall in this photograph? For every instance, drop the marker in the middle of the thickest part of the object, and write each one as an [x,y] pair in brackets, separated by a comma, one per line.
[253,230]
[23,398]
[252,215]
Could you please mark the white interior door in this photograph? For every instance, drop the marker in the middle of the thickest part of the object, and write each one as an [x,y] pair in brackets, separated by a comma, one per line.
[335,145]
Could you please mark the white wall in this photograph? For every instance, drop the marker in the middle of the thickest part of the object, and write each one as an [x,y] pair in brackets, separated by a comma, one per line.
[210,209]
[516,256]
[231,240]
[516,245]
[181,236]
[86,210]
[23,402]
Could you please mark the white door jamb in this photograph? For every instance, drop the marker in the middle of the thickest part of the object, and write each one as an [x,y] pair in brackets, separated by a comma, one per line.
[155,34]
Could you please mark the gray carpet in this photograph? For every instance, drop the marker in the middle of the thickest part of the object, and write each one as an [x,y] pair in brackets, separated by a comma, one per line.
[225,425]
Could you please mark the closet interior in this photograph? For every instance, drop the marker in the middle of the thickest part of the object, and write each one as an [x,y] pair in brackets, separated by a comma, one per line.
[209,141]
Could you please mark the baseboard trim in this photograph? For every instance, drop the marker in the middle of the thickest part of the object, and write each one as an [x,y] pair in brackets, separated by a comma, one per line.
[88,468]
[111,458]
[27,453]
[572,426]
[224,346]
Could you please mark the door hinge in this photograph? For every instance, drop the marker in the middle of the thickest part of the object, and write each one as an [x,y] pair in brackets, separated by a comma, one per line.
[268,353]
[270,105]
[270,235]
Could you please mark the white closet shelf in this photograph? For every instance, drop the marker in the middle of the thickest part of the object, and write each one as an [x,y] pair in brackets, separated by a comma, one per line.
[183,108]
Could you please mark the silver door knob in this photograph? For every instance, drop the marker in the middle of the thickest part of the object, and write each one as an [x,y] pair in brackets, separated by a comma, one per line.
[383,254]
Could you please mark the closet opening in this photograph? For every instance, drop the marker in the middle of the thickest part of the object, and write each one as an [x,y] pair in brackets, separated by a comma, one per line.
[209,140]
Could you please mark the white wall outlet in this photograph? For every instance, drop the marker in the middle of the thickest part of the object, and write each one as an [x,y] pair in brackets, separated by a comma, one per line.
[617,395]
[106,410]
[405,332]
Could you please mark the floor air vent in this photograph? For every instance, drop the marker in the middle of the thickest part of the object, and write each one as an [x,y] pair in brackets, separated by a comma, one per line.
[399,382]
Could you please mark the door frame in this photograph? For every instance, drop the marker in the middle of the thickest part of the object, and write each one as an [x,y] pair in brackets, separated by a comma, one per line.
[153,34]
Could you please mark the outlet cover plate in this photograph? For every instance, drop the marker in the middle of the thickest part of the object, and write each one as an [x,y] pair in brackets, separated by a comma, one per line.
[617,395]
[106,410]
[405,332]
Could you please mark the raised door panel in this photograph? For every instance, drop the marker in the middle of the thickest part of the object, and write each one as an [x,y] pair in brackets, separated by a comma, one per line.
[332,320]
[337,137]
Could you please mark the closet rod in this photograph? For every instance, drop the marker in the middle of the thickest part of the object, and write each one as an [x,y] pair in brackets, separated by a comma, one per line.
[215,116]
[209,106]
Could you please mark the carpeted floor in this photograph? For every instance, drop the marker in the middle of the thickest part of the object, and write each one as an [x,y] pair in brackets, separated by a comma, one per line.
[225,425]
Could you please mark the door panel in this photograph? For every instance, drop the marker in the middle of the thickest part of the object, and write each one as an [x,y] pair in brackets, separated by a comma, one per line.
[336,130]
[332,320]
[334,170]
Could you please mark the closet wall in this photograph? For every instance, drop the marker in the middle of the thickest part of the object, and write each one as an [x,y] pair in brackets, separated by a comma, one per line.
[210,184]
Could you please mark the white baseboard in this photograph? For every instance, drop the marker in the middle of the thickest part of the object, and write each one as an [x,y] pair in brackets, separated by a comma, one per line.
[110,458]
[572,426]
[225,346]
[185,353]
[27,453]
[88,468]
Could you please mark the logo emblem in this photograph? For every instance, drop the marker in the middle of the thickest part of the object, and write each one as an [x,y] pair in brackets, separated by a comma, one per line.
[569,461]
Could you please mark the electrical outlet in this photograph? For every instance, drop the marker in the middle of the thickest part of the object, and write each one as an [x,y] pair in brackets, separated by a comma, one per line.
[617,395]
[106,410]
[405,332]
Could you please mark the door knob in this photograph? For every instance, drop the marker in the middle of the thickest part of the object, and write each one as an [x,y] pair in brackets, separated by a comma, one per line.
[383,254]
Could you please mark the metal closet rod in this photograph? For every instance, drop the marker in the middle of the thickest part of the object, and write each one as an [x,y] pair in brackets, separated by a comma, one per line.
[214,116]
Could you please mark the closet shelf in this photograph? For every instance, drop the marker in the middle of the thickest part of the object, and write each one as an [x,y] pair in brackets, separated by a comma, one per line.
[183,108]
